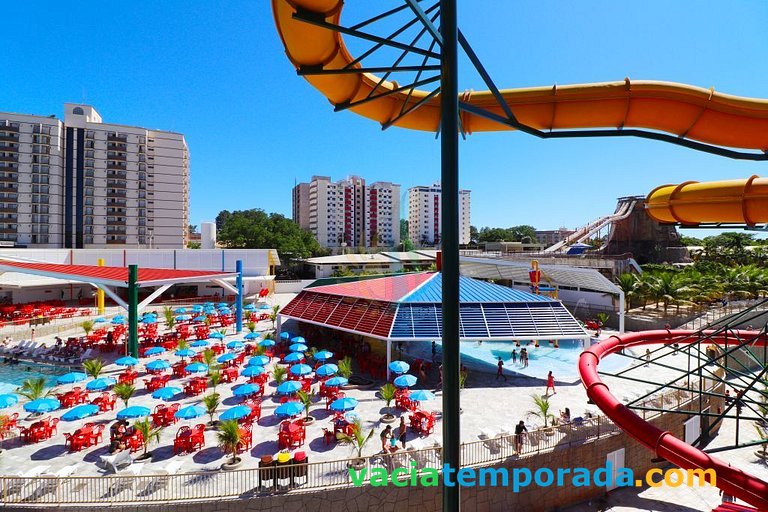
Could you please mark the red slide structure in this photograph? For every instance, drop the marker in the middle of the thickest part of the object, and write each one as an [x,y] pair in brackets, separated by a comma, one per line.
[733,481]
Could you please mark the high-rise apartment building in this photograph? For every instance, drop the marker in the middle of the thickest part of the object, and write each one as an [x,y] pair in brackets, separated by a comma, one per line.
[83,183]
[424,215]
[349,212]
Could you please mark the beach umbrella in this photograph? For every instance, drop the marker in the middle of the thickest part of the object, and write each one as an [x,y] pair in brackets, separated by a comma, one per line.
[289,387]
[183,318]
[323,355]
[235,413]
[127,361]
[196,308]
[199,343]
[190,413]
[294,357]
[399,367]
[249,307]
[298,339]
[421,395]
[326,370]
[160,364]
[222,305]
[134,411]
[80,412]
[71,377]
[235,345]
[264,306]
[166,393]
[285,335]
[216,336]
[246,389]
[253,371]
[118,321]
[405,381]
[289,409]
[100,320]
[301,369]
[8,400]
[227,357]
[180,311]
[185,352]
[119,317]
[335,382]
[153,351]
[267,343]
[200,318]
[196,368]
[298,347]
[100,384]
[252,336]
[149,320]
[258,361]
[42,405]
[343,404]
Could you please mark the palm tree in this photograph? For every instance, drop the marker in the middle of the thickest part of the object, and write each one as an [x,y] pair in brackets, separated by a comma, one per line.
[170,317]
[358,439]
[87,326]
[306,400]
[149,433]
[251,326]
[228,436]
[211,403]
[93,367]
[542,408]
[345,367]
[124,391]
[215,376]
[209,358]
[387,392]
[273,315]
[630,285]
[279,373]
[182,344]
[33,389]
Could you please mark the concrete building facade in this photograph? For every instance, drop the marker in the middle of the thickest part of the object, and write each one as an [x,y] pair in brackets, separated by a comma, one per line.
[553,236]
[424,215]
[83,183]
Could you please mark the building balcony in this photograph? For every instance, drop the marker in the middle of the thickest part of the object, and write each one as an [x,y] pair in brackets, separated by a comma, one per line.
[116,156]
[9,179]
[116,222]
[112,201]
[116,184]
[120,241]
[117,174]
[12,158]
[116,231]
[9,128]
[113,137]
[117,146]
[10,187]
[9,138]
[117,193]
[7,231]
[117,166]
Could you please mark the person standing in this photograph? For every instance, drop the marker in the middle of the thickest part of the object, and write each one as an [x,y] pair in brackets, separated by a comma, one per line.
[514,356]
[500,371]
[520,431]
[551,383]
[402,430]
[386,435]
[434,350]
[647,357]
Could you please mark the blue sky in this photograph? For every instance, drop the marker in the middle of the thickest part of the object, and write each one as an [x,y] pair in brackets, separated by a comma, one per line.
[216,71]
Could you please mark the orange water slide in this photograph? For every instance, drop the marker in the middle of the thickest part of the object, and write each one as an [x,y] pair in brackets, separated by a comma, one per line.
[685,111]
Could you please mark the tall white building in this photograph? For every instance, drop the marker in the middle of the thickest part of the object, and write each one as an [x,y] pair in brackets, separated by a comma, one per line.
[83,183]
[424,215]
[348,212]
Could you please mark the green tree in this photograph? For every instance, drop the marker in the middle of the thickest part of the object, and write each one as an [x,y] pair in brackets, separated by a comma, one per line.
[279,372]
[211,403]
[345,367]
[149,432]
[255,229]
[93,367]
[87,326]
[170,317]
[33,389]
[542,409]
[124,391]
[404,229]
[474,234]
[358,439]
[387,392]
[228,437]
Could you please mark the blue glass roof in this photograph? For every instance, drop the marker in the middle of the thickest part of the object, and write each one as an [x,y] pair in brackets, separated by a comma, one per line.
[471,290]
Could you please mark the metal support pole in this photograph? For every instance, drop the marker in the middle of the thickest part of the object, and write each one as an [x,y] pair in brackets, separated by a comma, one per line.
[100,292]
[622,299]
[449,240]
[133,310]
[239,297]
[389,356]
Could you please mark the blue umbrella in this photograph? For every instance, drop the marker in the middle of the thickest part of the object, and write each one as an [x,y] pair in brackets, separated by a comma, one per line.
[289,409]
[422,394]
[323,355]
[399,367]
[185,352]
[258,361]
[216,336]
[119,317]
[183,318]
[252,336]
[166,393]
[149,320]
[343,404]
[8,400]
[247,390]
[196,368]
[301,369]
[200,343]
[191,412]
[153,351]
[197,308]
[405,381]
[267,343]
[100,320]
[249,307]
[236,345]
[135,411]
[285,335]
[222,305]
[253,371]
[326,370]
[100,384]
[71,377]
[235,413]
[227,357]
[294,357]
[127,361]
[160,364]
[288,387]
[298,339]
[335,382]
[225,311]
[80,412]
[118,321]
[200,318]
[180,311]
[42,405]
[298,347]
[264,306]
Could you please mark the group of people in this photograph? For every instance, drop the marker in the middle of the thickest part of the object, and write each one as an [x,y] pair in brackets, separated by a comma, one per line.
[523,357]
[117,434]
[388,439]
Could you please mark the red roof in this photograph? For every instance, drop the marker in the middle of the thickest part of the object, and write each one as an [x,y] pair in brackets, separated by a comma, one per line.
[115,276]
[389,289]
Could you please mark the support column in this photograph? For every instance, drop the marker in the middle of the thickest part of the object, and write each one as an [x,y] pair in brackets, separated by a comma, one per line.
[622,309]
[449,241]
[100,292]
[239,297]
[133,310]
[389,356]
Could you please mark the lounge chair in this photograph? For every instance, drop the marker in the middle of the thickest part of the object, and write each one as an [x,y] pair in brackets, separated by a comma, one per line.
[121,484]
[15,485]
[163,476]
[114,462]
[50,482]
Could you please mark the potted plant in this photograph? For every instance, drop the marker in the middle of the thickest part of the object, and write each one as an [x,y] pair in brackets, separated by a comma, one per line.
[87,326]
[306,399]
[170,317]
[124,391]
[149,433]
[211,403]
[279,373]
[345,367]
[93,367]
[228,436]
[541,410]
[387,393]
[358,440]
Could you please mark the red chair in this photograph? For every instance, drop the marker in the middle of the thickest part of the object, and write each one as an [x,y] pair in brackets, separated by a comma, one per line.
[181,442]
[135,441]
[197,439]
[246,437]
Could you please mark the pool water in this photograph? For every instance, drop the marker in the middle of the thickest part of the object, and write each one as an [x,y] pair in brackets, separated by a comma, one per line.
[13,376]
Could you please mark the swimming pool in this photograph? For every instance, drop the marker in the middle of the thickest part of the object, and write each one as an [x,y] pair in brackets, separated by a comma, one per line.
[13,376]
